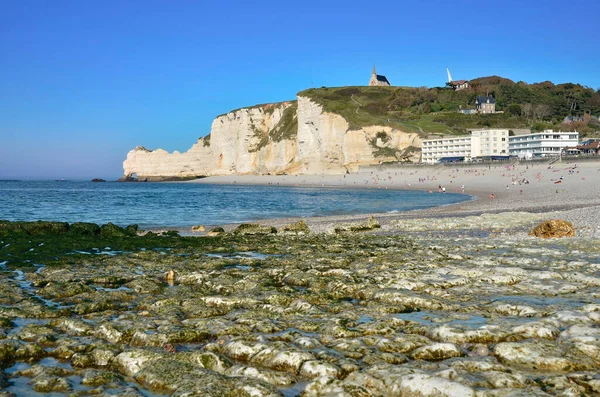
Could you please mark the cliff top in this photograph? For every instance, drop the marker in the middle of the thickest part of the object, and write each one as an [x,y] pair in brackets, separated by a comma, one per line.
[435,110]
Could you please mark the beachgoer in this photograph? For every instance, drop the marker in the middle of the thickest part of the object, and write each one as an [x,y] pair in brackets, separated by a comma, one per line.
[492,196]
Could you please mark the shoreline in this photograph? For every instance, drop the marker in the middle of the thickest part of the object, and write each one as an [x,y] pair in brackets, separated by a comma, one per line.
[534,188]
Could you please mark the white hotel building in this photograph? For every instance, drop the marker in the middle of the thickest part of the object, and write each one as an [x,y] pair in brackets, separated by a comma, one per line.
[481,143]
[541,144]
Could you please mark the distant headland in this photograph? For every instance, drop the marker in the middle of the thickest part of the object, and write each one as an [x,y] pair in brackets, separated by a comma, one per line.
[336,130]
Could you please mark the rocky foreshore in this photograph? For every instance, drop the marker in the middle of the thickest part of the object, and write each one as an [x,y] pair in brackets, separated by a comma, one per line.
[431,307]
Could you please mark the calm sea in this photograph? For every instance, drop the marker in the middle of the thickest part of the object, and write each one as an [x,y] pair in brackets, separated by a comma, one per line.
[175,204]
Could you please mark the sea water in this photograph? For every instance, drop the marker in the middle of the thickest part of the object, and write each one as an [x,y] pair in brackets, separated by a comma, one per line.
[154,205]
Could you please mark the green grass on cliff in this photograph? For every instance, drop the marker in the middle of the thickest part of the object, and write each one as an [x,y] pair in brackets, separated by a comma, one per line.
[287,128]
[393,106]
[435,110]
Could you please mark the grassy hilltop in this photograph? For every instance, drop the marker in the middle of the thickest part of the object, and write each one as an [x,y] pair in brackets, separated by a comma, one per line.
[435,110]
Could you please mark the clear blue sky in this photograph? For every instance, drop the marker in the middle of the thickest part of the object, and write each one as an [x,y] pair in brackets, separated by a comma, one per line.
[83,82]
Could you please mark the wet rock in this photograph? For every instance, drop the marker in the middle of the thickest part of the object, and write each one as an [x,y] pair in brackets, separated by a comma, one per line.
[428,385]
[206,360]
[82,360]
[35,332]
[542,356]
[114,333]
[61,290]
[182,335]
[50,384]
[281,358]
[66,347]
[316,368]
[103,355]
[515,310]
[387,381]
[47,379]
[253,229]
[96,306]
[145,286]
[402,343]
[437,352]
[536,330]
[241,350]
[29,351]
[553,228]
[275,378]
[174,376]
[93,377]
[73,326]
[485,334]
[130,362]
[500,380]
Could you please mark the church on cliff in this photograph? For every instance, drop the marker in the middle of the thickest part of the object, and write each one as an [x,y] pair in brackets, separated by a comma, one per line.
[377,79]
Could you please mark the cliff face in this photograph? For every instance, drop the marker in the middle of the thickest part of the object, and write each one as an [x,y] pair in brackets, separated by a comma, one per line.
[289,137]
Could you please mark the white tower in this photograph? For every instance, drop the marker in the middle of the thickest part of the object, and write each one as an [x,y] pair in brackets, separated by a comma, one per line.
[449,77]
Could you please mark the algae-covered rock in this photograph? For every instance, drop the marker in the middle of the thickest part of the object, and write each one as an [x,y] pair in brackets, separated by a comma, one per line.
[34,228]
[112,230]
[429,386]
[131,230]
[369,224]
[273,377]
[553,228]
[254,229]
[45,228]
[542,356]
[281,359]
[94,377]
[130,362]
[317,368]
[437,352]
[84,229]
[174,376]
[50,384]
[299,227]
[7,350]
[207,360]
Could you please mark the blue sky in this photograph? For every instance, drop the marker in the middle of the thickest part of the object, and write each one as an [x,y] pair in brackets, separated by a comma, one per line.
[83,82]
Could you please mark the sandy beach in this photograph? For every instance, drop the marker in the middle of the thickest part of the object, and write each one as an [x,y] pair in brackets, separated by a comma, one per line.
[568,187]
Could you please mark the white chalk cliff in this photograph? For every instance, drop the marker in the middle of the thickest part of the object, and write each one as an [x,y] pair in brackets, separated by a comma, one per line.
[288,137]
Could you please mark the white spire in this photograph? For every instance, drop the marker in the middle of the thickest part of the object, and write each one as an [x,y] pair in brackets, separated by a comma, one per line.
[449,77]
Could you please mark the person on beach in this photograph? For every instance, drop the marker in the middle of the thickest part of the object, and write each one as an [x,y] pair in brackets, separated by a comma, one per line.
[492,196]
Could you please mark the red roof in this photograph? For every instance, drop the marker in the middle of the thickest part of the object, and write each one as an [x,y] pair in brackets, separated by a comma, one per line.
[459,82]
[594,145]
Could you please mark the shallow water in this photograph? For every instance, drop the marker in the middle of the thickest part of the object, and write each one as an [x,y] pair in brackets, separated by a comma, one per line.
[175,204]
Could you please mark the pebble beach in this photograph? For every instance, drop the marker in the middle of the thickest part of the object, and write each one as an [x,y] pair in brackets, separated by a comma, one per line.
[532,187]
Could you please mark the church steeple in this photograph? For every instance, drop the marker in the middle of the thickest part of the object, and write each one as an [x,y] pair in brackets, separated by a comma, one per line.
[377,80]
